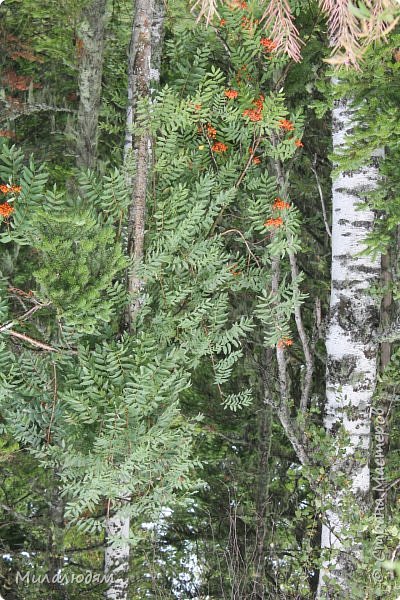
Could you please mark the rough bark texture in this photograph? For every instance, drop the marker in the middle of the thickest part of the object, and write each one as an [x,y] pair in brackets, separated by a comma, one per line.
[90,46]
[352,351]
[140,79]
[157,37]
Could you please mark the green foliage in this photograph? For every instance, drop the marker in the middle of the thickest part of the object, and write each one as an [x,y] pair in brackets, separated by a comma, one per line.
[116,413]
[79,262]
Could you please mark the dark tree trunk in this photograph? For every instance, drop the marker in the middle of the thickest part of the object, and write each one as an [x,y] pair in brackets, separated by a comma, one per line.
[264,450]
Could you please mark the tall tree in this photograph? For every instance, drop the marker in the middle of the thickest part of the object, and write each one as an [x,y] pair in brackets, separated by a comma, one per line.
[352,351]
[90,49]
[139,78]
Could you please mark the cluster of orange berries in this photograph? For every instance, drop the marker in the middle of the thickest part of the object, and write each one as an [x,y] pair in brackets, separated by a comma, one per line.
[219,147]
[233,270]
[285,342]
[280,204]
[286,125]
[211,131]
[299,143]
[9,189]
[242,74]
[6,209]
[255,114]
[268,44]
[278,222]
[231,94]
[248,23]
[212,134]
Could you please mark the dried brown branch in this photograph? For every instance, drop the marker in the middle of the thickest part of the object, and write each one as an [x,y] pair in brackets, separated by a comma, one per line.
[32,341]
[350,36]
[344,31]
[376,27]
[31,311]
[279,22]
[207,9]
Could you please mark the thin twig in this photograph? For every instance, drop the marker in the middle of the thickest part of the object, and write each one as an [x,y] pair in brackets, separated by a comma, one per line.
[289,425]
[32,341]
[245,241]
[305,394]
[241,177]
[321,195]
[53,408]
[209,146]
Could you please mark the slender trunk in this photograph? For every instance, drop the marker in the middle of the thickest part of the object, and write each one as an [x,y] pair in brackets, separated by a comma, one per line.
[90,47]
[116,558]
[352,352]
[264,450]
[140,79]
[56,541]
[157,37]
[147,33]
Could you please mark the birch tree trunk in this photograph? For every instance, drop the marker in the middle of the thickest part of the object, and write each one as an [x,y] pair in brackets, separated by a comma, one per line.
[90,47]
[143,68]
[352,351]
[116,558]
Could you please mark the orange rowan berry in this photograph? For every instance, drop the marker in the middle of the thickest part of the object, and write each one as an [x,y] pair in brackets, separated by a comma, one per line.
[219,147]
[6,209]
[286,125]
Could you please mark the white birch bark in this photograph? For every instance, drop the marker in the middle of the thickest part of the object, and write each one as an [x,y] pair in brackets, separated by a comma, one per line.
[352,350]
[116,558]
